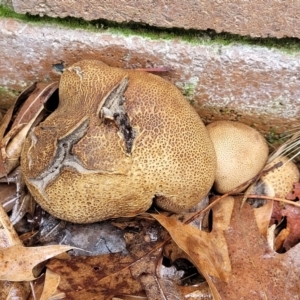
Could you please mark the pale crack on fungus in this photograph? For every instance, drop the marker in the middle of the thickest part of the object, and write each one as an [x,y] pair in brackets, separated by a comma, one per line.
[63,157]
[77,70]
[113,109]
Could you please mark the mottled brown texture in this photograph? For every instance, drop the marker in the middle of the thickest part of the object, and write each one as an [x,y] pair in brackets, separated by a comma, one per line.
[255,85]
[97,178]
[257,18]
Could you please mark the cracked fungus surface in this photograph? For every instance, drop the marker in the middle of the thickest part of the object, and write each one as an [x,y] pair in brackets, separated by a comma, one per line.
[119,140]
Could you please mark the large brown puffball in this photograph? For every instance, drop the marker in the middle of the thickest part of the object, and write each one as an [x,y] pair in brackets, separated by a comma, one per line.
[241,154]
[119,140]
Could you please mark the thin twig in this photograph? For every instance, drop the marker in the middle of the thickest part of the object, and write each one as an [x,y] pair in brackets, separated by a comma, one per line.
[246,183]
[274,198]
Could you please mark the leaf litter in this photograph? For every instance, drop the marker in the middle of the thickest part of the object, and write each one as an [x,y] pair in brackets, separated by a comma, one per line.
[234,257]
[17,262]
[116,274]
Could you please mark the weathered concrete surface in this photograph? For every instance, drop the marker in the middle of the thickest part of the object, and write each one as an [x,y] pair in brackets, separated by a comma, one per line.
[6,2]
[263,18]
[255,85]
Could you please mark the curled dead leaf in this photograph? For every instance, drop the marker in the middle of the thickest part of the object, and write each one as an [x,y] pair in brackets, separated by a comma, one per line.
[17,122]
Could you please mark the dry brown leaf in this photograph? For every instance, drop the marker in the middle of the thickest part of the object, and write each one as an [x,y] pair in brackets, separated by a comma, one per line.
[9,238]
[18,121]
[7,195]
[196,292]
[102,276]
[35,102]
[6,121]
[18,261]
[50,286]
[58,296]
[290,235]
[207,250]
[144,270]
[280,239]
[258,272]
[292,214]
[3,126]
[8,235]
[263,216]
[118,275]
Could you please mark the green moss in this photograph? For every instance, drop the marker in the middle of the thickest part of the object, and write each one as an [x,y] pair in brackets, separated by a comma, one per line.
[6,12]
[275,138]
[188,91]
[208,37]
[4,91]
[7,98]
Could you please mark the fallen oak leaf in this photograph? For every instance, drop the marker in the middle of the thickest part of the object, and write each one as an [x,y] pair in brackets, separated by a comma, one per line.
[17,262]
[207,250]
[12,134]
[8,238]
[290,235]
[280,239]
[258,272]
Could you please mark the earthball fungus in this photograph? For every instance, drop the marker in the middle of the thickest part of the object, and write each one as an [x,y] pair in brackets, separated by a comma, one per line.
[279,181]
[241,154]
[119,140]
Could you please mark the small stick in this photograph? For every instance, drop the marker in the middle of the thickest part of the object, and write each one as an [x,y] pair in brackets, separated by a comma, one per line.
[274,198]
[246,183]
